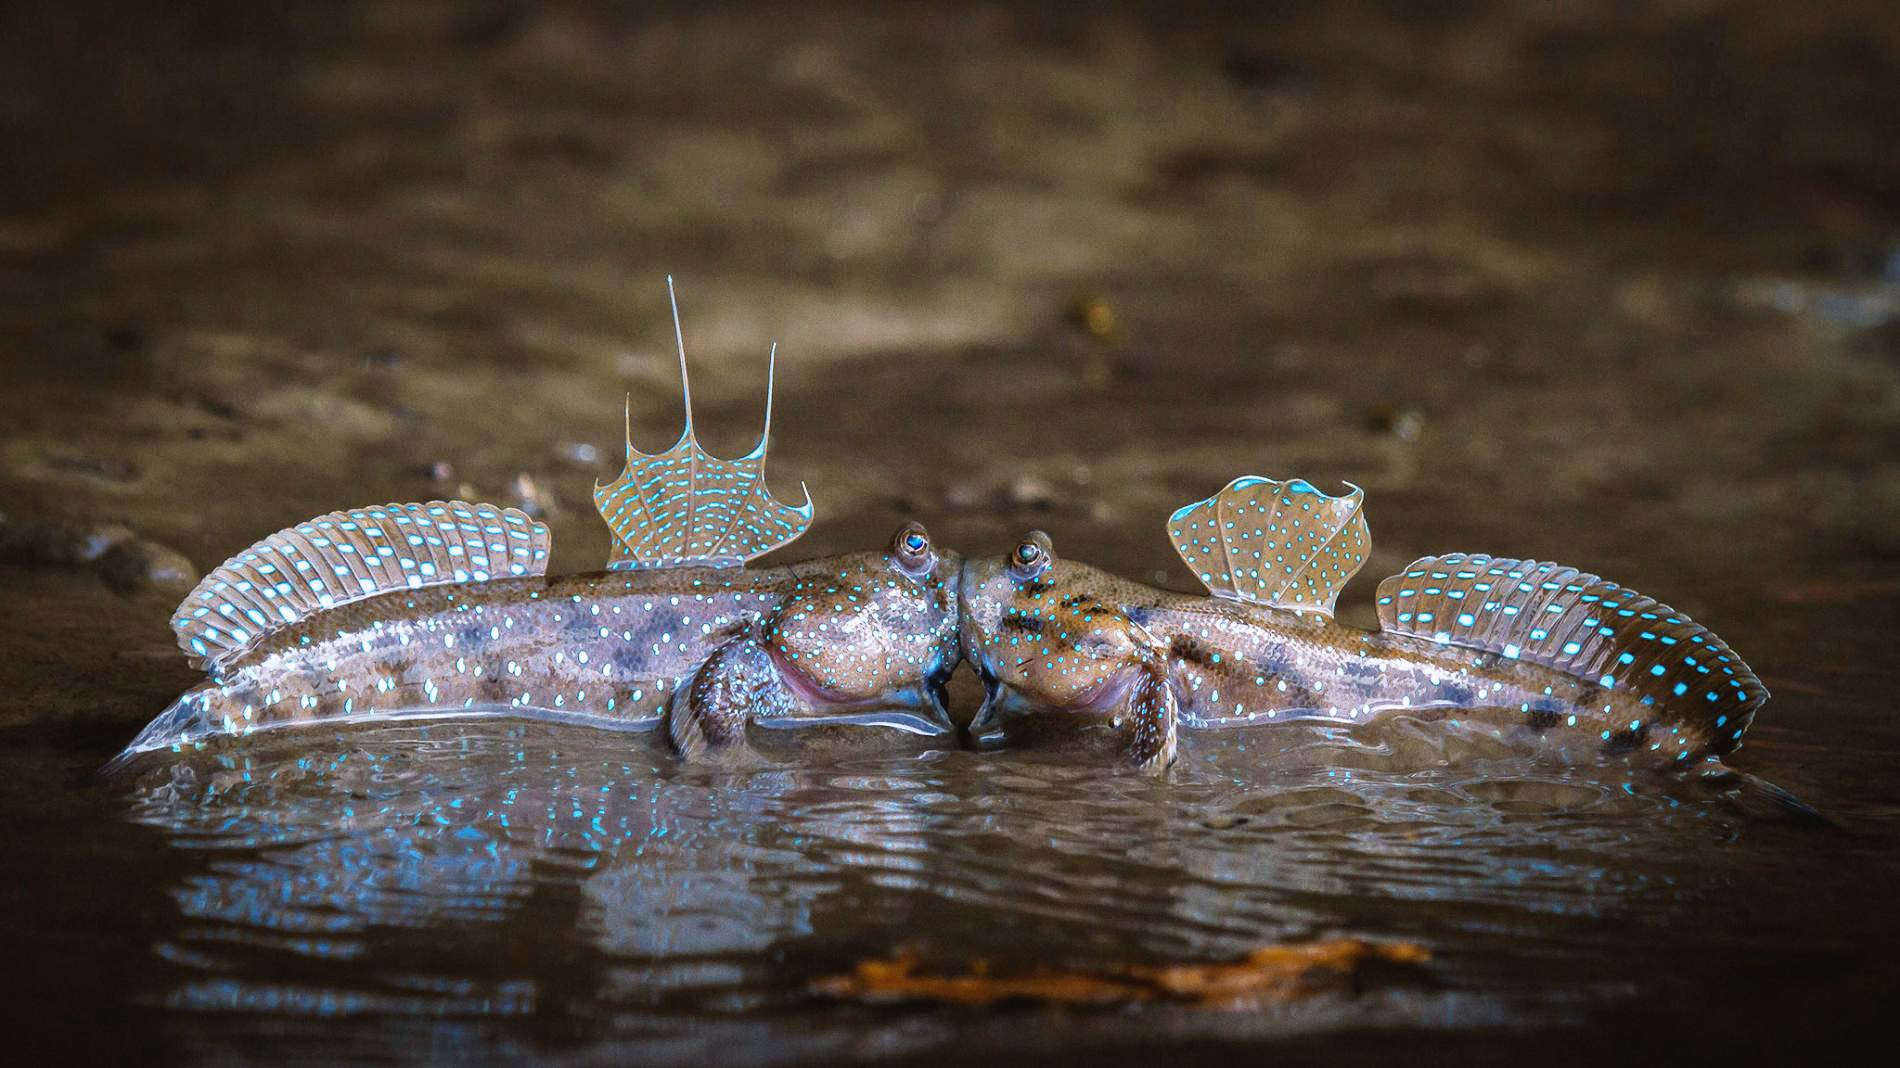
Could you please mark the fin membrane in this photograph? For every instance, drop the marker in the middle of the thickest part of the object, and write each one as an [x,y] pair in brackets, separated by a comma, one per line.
[346,556]
[1581,625]
[685,507]
[1283,544]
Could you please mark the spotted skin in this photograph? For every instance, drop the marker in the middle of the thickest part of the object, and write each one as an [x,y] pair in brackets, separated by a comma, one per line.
[842,636]
[1052,637]
[1269,542]
[443,609]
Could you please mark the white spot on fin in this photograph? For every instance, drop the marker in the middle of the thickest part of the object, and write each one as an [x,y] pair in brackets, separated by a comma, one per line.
[365,551]
[1283,544]
[686,507]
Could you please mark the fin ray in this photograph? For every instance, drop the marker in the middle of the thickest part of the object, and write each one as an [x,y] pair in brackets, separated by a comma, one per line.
[1282,544]
[346,556]
[685,507]
[1581,625]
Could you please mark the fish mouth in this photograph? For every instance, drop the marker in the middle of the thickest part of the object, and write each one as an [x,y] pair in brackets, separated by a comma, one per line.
[922,710]
[988,716]
[998,704]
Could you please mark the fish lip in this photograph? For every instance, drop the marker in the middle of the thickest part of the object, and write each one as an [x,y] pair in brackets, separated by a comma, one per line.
[986,718]
[922,724]
[933,718]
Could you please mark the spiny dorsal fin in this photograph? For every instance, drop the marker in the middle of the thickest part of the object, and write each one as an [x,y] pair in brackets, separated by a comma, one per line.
[1283,544]
[1581,625]
[346,556]
[686,507]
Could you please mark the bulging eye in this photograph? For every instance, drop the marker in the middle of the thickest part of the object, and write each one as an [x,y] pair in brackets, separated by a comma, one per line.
[911,547]
[1032,555]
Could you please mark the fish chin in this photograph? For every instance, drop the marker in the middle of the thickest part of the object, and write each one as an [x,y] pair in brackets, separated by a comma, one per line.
[921,710]
[894,718]
[1003,703]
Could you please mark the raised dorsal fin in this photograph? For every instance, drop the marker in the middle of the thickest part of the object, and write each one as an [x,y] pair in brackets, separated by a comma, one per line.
[687,508]
[1283,544]
[1581,625]
[346,556]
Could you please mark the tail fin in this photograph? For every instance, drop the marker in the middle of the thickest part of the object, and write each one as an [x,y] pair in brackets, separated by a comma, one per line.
[347,556]
[1581,625]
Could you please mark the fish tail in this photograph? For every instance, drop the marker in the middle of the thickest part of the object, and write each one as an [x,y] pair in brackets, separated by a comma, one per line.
[1702,695]
[1760,798]
[198,713]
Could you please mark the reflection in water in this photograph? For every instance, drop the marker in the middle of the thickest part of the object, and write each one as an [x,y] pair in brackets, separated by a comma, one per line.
[537,884]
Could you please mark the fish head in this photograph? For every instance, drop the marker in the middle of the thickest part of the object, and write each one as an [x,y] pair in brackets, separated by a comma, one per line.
[1046,636]
[872,636]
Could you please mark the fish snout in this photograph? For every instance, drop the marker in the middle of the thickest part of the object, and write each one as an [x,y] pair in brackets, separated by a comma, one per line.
[983,593]
[982,597]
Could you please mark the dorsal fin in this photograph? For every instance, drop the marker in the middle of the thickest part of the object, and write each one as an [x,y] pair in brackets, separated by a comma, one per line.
[1581,625]
[346,556]
[1283,544]
[685,507]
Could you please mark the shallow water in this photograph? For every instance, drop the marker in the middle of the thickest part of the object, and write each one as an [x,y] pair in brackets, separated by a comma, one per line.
[1611,286]
[450,888]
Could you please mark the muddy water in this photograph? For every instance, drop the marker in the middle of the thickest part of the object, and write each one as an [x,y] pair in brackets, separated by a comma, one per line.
[529,888]
[1619,292]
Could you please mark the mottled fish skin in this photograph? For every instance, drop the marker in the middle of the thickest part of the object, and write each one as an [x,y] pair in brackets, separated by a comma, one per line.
[847,634]
[443,608]
[1069,640]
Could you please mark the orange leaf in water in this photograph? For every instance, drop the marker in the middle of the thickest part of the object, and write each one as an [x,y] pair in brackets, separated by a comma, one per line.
[1268,974]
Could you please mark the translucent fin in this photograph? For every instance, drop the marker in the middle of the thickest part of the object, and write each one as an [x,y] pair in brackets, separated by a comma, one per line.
[346,556]
[686,507]
[1578,624]
[1283,544]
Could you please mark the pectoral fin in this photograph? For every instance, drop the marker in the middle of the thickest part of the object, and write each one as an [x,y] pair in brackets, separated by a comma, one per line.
[1152,719]
[709,711]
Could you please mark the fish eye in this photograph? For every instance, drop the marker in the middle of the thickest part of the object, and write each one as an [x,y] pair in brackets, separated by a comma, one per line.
[911,546]
[1032,555]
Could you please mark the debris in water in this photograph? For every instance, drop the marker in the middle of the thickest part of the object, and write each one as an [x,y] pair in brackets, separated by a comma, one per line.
[1095,316]
[1400,422]
[533,499]
[126,562]
[1269,974]
[579,452]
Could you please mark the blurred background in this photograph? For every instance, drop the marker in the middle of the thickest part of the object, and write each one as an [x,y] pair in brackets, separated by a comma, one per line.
[1616,284]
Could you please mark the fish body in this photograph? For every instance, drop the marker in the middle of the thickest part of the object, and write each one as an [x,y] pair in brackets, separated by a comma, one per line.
[444,608]
[855,637]
[1530,645]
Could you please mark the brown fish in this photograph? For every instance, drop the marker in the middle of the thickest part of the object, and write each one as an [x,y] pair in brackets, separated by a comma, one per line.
[1532,645]
[444,609]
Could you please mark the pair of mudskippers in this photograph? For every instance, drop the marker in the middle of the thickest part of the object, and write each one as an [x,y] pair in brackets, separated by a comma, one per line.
[444,609]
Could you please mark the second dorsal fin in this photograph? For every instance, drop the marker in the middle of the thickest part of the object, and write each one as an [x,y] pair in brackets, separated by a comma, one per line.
[1582,625]
[1283,544]
[685,507]
[346,556]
